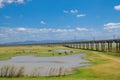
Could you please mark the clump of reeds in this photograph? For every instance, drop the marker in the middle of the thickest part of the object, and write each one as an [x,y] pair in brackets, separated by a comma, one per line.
[11,71]
[57,71]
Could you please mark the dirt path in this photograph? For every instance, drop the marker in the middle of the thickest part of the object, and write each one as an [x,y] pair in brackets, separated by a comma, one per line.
[109,57]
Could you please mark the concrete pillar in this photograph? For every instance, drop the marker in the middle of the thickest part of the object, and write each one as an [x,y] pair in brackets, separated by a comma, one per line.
[92,45]
[117,45]
[110,49]
[87,46]
[79,45]
[72,45]
[109,46]
[97,46]
[103,46]
[83,45]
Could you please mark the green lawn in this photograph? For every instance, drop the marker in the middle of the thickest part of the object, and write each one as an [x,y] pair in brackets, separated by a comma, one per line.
[104,66]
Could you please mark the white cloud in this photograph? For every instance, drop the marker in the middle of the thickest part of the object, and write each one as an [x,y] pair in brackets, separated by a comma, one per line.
[20,1]
[1,34]
[42,22]
[80,15]
[109,26]
[82,29]
[7,17]
[62,30]
[74,11]
[21,29]
[117,7]
[8,1]
[3,2]
[65,11]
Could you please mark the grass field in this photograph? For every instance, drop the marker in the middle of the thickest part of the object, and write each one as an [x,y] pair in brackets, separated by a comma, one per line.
[104,65]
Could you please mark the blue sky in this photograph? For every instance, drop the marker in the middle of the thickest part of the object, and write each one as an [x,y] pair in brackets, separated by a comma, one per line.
[26,20]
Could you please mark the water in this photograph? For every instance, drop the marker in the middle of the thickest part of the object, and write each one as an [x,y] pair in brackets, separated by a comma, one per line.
[46,66]
[61,50]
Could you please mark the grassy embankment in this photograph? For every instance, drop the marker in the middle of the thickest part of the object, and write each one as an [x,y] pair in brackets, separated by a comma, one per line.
[104,65]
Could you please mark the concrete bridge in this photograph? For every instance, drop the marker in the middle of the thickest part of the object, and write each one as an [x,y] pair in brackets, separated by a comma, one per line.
[111,45]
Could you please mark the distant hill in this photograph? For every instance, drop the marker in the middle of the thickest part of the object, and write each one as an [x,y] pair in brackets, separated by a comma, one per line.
[38,42]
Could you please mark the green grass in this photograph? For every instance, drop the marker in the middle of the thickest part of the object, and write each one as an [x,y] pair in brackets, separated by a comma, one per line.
[105,66]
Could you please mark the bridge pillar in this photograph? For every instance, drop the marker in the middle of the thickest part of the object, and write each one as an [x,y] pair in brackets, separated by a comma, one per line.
[83,45]
[102,46]
[117,46]
[97,46]
[79,45]
[76,45]
[91,45]
[72,45]
[110,49]
[87,46]
[109,46]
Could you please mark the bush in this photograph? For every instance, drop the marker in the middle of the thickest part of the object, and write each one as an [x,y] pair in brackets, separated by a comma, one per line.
[11,71]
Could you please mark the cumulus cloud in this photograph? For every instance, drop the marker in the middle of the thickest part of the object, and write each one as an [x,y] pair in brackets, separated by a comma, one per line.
[82,29]
[109,26]
[74,11]
[2,35]
[62,30]
[42,22]
[7,17]
[21,29]
[80,15]
[117,7]
[65,11]
[3,2]
[20,1]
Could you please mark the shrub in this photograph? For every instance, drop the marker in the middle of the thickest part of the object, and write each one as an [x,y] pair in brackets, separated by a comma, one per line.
[11,71]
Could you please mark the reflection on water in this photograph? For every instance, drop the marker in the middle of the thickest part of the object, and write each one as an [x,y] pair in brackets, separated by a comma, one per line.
[61,50]
[46,66]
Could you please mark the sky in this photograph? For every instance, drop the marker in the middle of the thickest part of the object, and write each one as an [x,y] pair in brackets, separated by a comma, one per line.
[36,20]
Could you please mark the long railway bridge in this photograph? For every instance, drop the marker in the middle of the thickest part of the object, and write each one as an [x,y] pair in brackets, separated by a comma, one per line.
[111,45]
